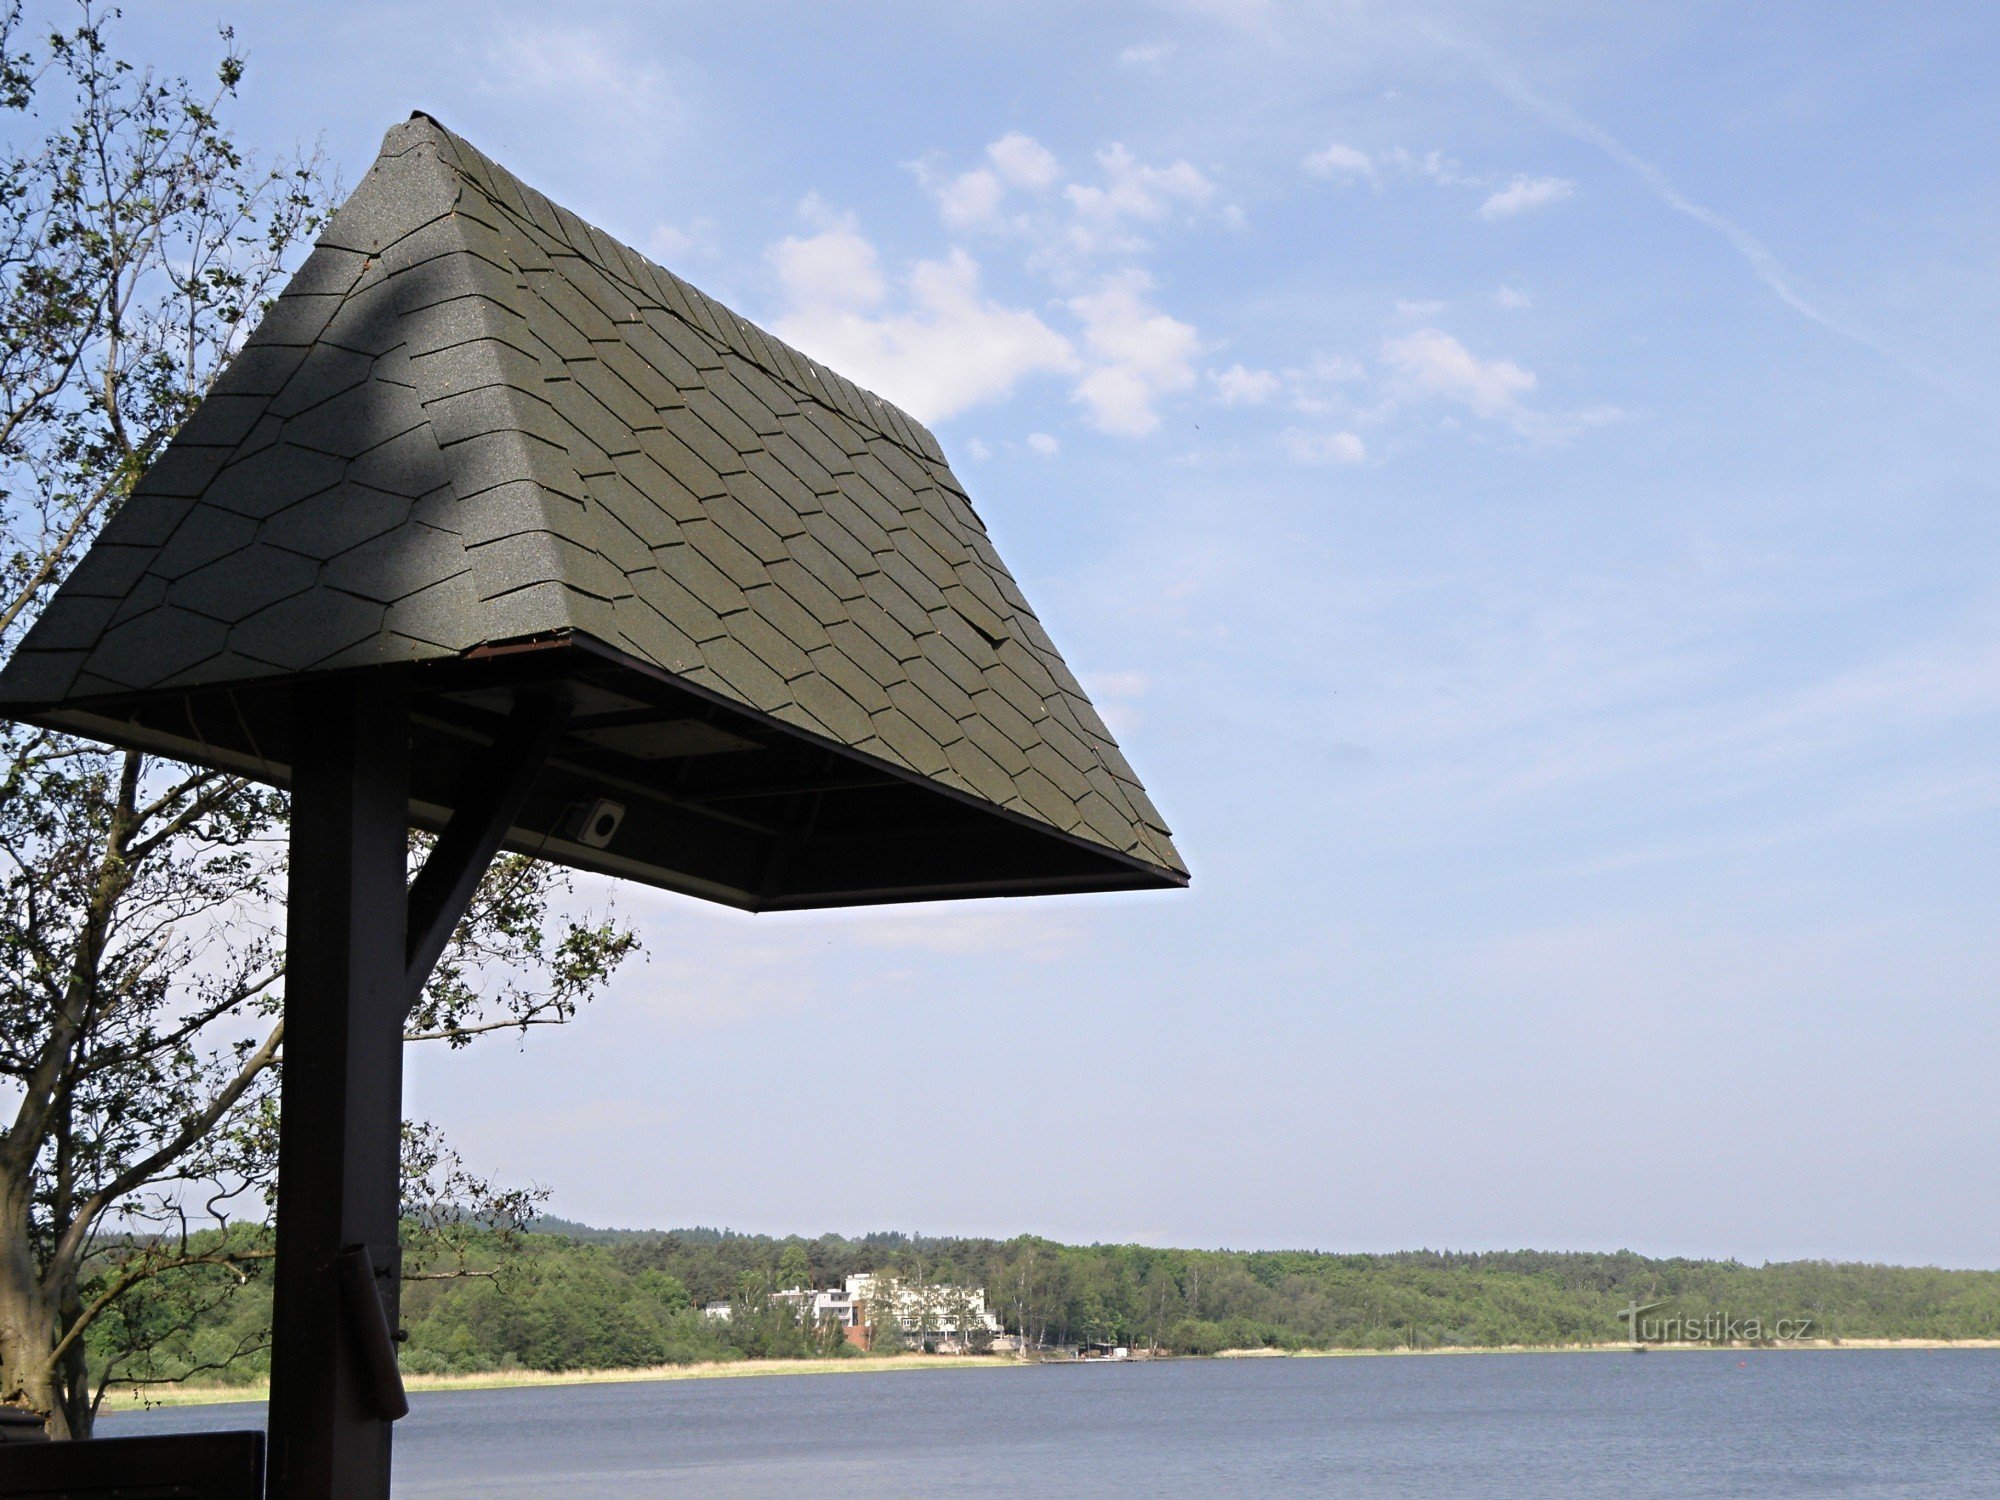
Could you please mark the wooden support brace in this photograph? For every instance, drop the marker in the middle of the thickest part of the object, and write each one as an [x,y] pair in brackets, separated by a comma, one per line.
[487,807]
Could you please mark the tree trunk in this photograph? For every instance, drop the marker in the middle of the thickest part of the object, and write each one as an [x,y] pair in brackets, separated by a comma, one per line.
[28,1325]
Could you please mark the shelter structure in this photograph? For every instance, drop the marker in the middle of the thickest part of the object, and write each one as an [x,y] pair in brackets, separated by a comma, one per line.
[495,528]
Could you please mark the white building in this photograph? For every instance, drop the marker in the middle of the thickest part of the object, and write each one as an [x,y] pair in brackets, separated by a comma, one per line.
[819,1307]
[952,1315]
[936,1314]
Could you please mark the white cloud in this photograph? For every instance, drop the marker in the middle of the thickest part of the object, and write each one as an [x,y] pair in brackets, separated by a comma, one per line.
[1080,238]
[1024,162]
[979,451]
[1511,298]
[1322,447]
[578,66]
[678,242]
[1146,55]
[1042,445]
[971,199]
[1322,387]
[1331,367]
[1434,165]
[1427,309]
[949,348]
[1432,363]
[1518,194]
[1238,386]
[1525,193]
[1138,355]
[1133,190]
[1071,234]
[1117,685]
[1341,161]
[1116,696]
[834,268]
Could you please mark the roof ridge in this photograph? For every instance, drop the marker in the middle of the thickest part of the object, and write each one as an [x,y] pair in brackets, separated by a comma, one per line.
[458,387]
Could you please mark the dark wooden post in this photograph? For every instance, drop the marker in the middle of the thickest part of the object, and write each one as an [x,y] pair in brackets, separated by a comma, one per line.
[339,1148]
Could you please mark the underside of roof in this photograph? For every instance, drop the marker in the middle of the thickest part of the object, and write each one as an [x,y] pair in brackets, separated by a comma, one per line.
[474,428]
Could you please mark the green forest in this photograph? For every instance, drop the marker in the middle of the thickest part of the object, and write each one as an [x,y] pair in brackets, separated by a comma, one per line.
[566,1297]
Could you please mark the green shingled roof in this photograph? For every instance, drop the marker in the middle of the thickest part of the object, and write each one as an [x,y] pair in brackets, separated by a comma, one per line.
[473,419]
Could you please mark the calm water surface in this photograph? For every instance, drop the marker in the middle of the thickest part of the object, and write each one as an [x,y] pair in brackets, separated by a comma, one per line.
[1834,1423]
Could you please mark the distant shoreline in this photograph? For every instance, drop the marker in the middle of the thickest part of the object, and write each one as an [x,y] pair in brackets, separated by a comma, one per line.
[1614,1346]
[215,1395]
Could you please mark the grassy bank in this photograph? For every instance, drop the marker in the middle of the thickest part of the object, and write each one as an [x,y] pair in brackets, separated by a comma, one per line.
[209,1395]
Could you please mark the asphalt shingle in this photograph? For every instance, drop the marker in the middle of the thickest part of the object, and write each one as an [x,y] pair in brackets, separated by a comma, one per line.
[473,417]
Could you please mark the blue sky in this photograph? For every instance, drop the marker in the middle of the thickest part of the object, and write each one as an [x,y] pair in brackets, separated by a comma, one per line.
[1519,481]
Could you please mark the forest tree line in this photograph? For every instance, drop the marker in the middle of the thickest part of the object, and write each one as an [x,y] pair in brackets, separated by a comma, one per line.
[570,1298]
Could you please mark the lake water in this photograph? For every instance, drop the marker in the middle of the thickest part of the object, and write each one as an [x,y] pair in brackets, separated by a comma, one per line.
[1820,1423]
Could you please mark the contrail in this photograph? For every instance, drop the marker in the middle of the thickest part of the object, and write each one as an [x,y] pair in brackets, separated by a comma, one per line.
[1770,270]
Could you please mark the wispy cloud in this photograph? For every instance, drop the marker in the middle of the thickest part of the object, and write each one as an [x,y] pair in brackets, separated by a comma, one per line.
[1129,193]
[1343,399]
[670,242]
[1069,223]
[1525,193]
[1240,386]
[1024,162]
[1145,54]
[579,70]
[1431,363]
[1118,697]
[972,199]
[1341,162]
[1318,448]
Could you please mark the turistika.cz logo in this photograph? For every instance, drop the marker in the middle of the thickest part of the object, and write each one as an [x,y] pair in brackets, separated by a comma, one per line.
[1713,1328]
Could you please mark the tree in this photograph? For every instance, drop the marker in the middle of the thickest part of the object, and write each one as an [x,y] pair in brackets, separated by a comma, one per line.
[886,1334]
[967,1312]
[794,1270]
[141,961]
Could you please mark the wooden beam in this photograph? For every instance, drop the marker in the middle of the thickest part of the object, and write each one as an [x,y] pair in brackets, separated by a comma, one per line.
[486,808]
[340,1146]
